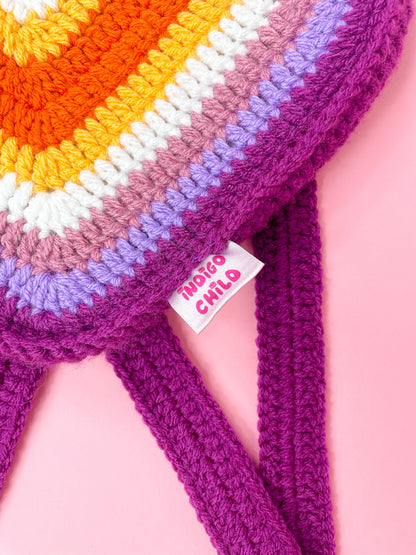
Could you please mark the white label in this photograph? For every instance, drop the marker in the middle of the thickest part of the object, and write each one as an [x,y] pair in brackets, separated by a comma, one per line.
[212,284]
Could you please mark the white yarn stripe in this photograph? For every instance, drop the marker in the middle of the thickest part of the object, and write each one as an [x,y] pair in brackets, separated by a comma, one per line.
[54,211]
[21,8]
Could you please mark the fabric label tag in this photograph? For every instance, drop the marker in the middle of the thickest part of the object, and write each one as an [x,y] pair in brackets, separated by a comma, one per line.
[212,284]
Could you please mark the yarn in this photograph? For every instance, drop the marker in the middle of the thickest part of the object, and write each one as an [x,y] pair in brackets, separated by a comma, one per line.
[137,138]
[204,175]
[293,455]
[326,110]
[29,35]
[106,246]
[20,9]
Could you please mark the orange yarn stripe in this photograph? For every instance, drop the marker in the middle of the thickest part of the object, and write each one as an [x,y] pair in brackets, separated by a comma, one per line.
[43,103]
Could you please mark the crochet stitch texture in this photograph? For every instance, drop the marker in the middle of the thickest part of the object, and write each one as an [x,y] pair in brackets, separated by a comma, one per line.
[138,137]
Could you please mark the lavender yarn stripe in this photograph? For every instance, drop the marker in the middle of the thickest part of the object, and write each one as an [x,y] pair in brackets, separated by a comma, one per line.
[53,292]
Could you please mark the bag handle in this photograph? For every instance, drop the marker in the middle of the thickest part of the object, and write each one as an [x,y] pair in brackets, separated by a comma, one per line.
[284,507]
[291,373]
[18,384]
[223,485]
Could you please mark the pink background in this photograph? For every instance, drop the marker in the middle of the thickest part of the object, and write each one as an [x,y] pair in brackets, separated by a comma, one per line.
[88,477]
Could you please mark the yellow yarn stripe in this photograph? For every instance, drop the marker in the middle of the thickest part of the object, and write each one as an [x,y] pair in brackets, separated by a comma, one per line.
[51,168]
[40,37]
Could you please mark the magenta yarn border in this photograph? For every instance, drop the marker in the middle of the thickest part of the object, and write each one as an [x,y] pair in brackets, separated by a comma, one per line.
[312,125]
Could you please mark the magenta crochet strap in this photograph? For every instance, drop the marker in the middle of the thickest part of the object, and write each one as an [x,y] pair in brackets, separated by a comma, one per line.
[241,513]
[293,455]
[18,384]
[223,485]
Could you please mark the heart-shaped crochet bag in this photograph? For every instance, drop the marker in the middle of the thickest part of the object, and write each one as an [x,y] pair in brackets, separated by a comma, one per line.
[139,137]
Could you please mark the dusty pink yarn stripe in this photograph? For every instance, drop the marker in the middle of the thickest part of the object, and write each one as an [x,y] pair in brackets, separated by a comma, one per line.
[285,22]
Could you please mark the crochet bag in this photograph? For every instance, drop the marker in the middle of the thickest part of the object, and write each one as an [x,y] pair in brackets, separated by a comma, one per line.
[137,138]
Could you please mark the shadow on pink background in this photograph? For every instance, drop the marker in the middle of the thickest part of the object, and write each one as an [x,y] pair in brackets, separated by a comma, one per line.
[88,477]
